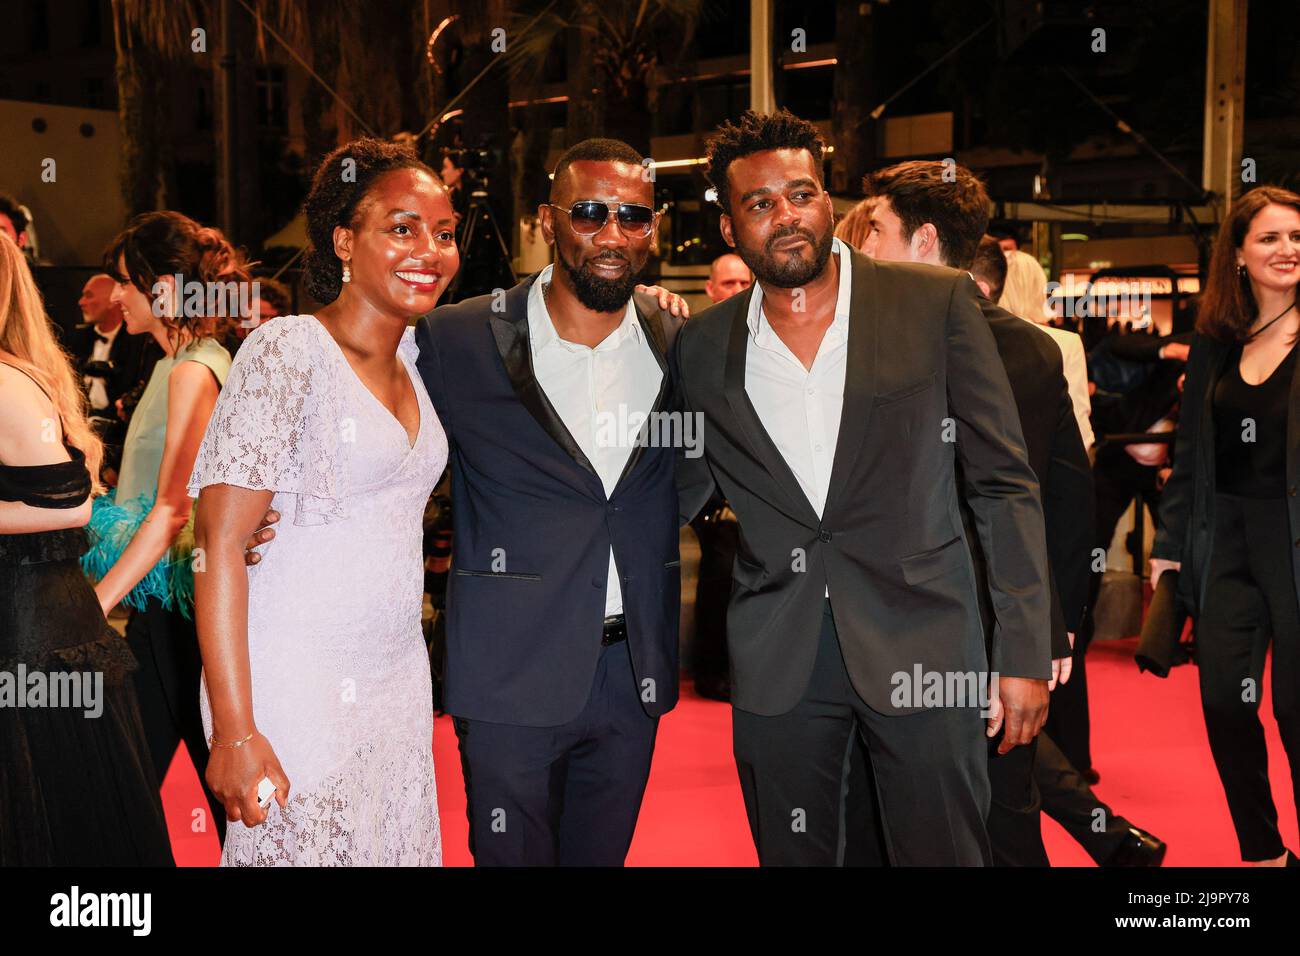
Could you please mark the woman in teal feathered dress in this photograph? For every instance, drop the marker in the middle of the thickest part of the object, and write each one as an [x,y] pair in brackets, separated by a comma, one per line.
[142,533]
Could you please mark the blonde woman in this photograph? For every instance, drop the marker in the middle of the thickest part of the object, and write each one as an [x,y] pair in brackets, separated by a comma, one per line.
[142,533]
[855,227]
[74,785]
[1025,295]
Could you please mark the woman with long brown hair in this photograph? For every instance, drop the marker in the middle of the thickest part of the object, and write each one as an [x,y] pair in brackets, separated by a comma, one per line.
[1230,514]
[75,783]
[173,278]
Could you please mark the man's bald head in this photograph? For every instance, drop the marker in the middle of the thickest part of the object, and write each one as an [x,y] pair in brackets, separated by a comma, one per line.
[727,275]
[596,150]
[97,305]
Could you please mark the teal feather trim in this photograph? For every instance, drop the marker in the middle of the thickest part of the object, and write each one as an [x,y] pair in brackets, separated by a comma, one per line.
[111,528]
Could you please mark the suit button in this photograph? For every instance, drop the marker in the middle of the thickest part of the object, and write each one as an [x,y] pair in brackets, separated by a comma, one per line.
[823,535]
[600,582]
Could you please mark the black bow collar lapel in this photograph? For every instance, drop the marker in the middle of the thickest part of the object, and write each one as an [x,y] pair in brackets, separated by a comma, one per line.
[653,330]
[859,375]
[510,332]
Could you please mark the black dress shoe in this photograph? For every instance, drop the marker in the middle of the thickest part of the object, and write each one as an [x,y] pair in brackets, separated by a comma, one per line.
[1138,849]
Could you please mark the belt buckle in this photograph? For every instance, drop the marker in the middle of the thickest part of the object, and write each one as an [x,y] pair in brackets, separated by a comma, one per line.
[613,631]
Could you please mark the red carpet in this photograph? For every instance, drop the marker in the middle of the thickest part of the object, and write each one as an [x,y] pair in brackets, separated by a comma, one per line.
[1148,744]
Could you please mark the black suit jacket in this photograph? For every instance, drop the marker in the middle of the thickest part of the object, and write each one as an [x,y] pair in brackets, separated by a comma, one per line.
[890,544]
[532,527]
[1036,373]
[1186,532]
[133,358]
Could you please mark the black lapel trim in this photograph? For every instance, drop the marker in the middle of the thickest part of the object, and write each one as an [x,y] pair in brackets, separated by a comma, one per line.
[510,332]
[859,375]
[652,328]
[762,448]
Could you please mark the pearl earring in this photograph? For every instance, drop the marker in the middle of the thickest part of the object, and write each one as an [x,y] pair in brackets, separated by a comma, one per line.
[347,273]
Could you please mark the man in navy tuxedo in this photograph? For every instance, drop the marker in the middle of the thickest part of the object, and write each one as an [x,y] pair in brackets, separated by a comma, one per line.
[563,600]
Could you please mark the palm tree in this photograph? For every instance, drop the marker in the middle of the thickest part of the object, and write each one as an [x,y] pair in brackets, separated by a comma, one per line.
[370,55]
[614,52]
[151,40]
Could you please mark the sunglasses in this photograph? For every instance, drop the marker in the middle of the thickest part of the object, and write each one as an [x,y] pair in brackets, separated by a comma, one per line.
[587,217]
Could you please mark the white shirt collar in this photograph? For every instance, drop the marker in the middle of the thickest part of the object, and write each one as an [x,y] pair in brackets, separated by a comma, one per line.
[541,330]
[758,327]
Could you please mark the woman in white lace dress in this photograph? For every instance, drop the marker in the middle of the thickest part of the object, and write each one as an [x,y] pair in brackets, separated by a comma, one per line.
[315,671]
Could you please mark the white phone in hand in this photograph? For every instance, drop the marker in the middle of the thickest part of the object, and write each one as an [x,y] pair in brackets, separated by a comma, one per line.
[265,793]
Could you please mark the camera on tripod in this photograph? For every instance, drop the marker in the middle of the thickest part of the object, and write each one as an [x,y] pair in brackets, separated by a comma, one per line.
[485,262]
[474,165]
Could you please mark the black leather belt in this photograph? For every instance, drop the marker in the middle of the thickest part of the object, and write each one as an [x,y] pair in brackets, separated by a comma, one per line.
[615,630]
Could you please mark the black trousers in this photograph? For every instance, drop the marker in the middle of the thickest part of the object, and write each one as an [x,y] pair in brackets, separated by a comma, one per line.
[718,541]
[1014,824]
[1069,801]
[166,645]
[1249,598]
[566,795]
[930,771]
[1118,479]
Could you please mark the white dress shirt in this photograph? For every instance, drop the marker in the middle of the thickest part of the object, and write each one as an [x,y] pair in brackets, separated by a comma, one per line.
[603,395]
[98,395]
[800,408]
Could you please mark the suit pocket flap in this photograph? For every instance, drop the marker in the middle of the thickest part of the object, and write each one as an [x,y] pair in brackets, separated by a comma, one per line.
[919,568]
[505,575]
[905,392]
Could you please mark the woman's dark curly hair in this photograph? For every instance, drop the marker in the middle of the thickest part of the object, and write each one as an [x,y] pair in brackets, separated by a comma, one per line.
[337,191]
[158,244]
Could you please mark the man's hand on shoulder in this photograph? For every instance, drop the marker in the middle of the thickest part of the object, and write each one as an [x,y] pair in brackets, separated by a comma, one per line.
[260,537]
[668,301]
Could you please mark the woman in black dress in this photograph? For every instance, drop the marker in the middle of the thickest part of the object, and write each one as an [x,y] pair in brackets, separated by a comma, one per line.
[1230,513]
[75,788]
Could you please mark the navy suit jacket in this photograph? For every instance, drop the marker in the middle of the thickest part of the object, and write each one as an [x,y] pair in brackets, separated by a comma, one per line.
[532,527]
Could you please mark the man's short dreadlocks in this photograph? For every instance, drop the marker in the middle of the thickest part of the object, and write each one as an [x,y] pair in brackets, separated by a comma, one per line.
[756,133]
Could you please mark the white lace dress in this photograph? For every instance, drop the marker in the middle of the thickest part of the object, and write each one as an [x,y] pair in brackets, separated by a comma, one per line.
[340,676]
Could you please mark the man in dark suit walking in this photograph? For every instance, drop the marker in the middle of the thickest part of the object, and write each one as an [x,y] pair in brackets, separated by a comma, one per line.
[113,362]
[838,395]
[563,598]
[936,213]
[119,358]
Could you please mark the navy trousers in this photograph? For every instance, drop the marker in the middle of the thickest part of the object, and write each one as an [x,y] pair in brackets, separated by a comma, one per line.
[566,795]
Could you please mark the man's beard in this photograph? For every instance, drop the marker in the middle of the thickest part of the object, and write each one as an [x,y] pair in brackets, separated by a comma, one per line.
[795,271]
[600,294]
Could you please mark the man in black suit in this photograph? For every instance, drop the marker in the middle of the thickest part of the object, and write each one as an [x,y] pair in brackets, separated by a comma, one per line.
[119,356]
[838,395]
[564,593]
[113,362]
[933,212]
